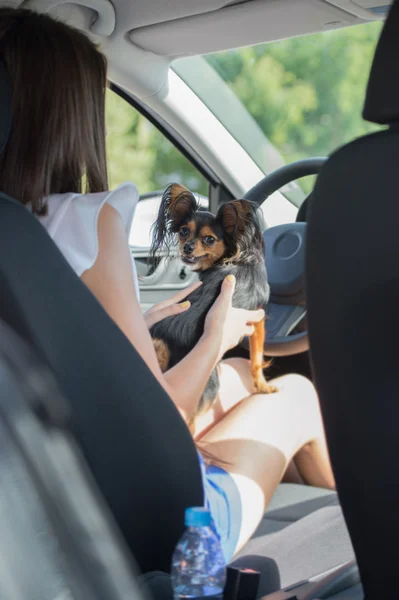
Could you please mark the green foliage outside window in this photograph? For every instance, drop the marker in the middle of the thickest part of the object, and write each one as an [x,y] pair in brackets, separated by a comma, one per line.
[305,93]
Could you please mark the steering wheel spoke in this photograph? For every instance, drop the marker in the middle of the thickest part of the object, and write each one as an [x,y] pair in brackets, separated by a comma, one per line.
[281,321]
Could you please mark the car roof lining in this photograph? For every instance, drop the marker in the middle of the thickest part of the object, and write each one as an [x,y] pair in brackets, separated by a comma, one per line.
[149,34]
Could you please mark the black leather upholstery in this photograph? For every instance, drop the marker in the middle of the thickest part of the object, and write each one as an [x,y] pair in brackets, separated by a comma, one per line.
[353,297]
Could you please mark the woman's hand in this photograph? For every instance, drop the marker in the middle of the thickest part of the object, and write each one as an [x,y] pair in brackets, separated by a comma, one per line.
[226,325]
[171,306]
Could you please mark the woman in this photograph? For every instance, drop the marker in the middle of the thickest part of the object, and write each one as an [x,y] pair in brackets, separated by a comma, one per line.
[57,139]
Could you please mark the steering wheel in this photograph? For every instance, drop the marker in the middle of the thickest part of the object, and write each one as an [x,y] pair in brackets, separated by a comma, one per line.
[286,332]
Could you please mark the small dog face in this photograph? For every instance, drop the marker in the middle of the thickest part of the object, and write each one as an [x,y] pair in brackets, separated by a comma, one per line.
[201,241]
[233,235]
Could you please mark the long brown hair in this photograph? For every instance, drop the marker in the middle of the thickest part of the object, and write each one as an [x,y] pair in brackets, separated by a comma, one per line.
[57,137]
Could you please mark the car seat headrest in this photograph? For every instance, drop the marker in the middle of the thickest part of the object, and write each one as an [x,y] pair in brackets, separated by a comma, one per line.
[382,97]
[5,106]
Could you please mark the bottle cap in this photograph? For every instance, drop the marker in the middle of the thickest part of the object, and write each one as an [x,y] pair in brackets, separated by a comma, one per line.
[197,516]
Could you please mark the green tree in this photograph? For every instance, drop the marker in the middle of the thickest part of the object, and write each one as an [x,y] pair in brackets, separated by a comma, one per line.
[138,152]
[305,93]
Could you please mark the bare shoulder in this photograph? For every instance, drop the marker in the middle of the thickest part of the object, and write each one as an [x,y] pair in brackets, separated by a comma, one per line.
[110,223]
[113,254]
[109,214]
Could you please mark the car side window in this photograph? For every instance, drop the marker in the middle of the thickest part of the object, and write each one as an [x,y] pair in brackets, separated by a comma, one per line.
[137,151]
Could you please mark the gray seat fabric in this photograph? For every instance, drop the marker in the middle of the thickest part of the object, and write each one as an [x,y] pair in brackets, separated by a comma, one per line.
[355,593]
[308,547]
[302,534]
[290,503]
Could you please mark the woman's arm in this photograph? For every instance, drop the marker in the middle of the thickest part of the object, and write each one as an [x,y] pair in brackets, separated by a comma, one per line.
[111,281]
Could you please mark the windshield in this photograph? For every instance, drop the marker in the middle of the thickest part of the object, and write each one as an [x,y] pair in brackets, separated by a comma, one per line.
[303,96]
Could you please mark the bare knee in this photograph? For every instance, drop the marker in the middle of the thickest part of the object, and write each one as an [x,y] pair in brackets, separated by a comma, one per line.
[300,390]
[309,400]
[302,405]
[286,420]
[296,383]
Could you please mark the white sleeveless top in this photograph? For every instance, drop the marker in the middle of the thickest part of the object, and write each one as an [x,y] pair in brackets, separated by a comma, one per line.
[72,220]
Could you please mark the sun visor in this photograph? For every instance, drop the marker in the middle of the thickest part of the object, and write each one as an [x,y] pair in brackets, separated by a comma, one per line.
[236,25]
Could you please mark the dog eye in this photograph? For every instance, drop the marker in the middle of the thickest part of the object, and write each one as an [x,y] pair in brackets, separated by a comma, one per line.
[209,240]
[184,231]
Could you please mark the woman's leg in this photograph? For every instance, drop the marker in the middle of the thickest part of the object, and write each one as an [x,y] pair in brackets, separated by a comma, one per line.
[256,440]
[235,385]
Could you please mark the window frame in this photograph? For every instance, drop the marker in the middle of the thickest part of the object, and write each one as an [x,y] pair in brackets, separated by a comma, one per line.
[217,191]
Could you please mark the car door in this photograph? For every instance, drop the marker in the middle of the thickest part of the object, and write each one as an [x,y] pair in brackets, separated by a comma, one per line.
[137,151]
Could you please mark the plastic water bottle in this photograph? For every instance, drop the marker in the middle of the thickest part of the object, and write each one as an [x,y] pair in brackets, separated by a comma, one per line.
[198,564]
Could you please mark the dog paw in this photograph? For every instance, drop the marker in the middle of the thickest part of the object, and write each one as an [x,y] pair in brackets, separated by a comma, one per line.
[262,387]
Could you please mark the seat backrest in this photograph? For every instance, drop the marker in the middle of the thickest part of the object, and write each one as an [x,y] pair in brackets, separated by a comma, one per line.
[57,538]
[139,450]
[352,279]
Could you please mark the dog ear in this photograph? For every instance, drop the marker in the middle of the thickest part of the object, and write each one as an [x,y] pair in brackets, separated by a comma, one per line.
[179,203]
[233,216]
[240,221]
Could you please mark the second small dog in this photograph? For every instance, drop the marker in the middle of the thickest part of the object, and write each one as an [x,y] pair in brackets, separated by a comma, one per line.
[214,246]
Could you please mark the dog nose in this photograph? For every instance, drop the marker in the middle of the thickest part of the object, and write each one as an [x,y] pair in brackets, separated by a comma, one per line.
[188,247]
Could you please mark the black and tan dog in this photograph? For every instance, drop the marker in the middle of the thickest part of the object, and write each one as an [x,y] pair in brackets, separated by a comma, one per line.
[213,246]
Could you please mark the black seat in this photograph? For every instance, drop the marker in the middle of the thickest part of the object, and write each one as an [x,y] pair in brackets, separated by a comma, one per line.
[353,299]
